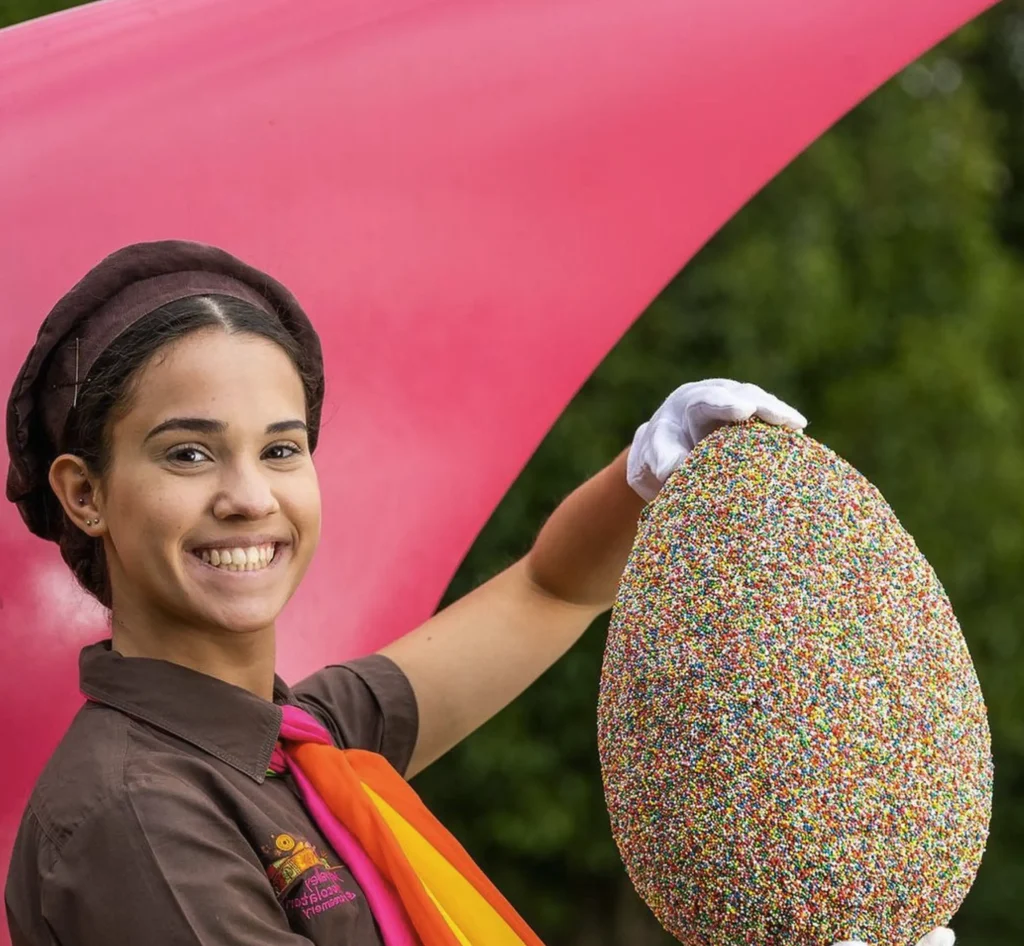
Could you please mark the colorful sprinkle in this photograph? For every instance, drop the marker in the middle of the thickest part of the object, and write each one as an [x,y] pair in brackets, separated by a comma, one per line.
[794,744]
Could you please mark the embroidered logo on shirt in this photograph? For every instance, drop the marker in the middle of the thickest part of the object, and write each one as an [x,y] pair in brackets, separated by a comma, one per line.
[292,857]
[304,879]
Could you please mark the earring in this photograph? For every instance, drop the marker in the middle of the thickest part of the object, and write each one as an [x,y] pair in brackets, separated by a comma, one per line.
[92,522]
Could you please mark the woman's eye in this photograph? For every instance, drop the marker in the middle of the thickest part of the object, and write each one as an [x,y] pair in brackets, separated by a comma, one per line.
[282,451]
[188,456]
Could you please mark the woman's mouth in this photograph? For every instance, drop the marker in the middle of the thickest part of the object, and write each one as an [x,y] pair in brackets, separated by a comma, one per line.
[251,558]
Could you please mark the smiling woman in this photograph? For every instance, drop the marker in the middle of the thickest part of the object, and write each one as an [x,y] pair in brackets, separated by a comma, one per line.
[162,432]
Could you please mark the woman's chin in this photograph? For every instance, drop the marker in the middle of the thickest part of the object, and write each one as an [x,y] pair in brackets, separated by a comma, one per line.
[241,617]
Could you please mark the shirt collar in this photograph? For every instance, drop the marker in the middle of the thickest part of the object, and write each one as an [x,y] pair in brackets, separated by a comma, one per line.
[229,723]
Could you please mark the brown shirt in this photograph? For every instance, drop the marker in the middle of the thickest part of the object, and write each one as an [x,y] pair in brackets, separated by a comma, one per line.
[155,822]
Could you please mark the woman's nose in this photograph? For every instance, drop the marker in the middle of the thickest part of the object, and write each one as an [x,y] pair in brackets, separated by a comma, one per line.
[245,492]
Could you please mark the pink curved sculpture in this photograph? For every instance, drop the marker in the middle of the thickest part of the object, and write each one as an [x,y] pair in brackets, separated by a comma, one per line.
[473,200]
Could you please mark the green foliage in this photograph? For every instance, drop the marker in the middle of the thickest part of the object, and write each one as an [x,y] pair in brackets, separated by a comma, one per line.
[877,284]
[15,11]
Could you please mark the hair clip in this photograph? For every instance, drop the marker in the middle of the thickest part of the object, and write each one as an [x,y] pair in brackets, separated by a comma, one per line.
[74,398]
[76,384]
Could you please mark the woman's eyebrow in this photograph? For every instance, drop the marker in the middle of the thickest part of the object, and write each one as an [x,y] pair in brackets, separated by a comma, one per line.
[282,426]
[202,425]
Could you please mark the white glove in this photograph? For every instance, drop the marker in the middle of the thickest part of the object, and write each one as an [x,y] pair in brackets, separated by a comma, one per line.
[937,937]
[688,415]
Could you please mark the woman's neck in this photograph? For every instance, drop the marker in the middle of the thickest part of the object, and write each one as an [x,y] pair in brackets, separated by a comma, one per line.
[243,660]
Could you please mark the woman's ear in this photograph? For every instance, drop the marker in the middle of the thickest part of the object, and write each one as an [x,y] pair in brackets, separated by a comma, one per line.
[77,491]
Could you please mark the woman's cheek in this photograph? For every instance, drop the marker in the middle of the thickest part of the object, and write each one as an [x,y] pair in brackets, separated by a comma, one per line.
[303,503]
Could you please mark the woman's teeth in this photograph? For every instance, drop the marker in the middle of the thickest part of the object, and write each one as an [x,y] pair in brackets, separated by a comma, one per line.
[250,559]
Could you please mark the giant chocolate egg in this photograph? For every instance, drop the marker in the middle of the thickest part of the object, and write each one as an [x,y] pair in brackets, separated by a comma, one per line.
[793,741]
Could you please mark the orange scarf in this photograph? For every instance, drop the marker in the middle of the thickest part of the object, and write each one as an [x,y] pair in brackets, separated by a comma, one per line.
[418,879]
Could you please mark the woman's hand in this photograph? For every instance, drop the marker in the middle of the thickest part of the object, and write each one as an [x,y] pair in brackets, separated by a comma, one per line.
[688,415]
[940,936]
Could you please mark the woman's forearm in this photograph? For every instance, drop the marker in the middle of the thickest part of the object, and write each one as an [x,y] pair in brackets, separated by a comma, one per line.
[582,549]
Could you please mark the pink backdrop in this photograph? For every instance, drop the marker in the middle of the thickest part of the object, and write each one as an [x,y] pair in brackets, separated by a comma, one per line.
[473,198]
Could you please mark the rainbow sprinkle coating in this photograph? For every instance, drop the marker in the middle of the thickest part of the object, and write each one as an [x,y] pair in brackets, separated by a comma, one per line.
[794,744]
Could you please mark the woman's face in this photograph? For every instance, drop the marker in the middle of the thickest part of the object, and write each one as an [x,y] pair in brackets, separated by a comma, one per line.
[211,502]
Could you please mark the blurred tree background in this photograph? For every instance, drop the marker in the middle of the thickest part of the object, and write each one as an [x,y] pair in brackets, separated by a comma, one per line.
[878,285]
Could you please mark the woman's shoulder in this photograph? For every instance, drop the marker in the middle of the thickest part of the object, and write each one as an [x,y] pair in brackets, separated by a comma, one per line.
[85,771]
[104,758]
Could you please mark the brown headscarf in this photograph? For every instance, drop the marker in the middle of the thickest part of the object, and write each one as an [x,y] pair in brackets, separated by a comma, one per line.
[112,297]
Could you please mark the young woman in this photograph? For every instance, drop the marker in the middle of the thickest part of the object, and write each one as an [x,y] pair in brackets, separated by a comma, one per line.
[161,431]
